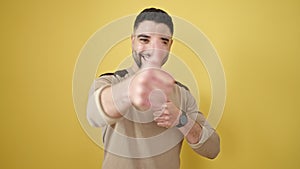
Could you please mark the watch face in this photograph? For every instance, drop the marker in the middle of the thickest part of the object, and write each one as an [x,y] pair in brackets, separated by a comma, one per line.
[183,119]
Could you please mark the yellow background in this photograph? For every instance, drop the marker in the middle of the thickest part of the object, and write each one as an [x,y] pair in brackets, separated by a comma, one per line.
[258,44]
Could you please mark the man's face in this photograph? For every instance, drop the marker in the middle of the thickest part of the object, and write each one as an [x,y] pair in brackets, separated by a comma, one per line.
[151,44]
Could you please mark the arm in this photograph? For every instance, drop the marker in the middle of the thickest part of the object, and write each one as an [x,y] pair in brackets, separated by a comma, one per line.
[96,115]
[201,137]
[208,143]
[198,133]
[192,131]
[115,100]
[205,142]
[170,118]
[110,100]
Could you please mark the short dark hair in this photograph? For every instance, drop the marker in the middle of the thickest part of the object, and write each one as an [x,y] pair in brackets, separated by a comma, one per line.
[156,15]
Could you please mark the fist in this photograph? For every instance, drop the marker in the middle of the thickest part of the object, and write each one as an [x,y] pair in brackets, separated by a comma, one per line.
[145,84]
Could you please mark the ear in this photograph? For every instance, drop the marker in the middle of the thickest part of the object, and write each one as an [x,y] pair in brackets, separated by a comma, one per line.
[171,42]
[132,38]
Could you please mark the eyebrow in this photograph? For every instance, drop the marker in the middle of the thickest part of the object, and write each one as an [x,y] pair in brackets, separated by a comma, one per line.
[165,39]
[147,36]
[143,36]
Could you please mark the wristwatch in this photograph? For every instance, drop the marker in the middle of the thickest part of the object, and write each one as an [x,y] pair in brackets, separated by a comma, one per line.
[182,119]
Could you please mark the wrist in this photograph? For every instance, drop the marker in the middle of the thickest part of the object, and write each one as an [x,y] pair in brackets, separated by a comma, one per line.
[182,119]
[194,134]
[191,130]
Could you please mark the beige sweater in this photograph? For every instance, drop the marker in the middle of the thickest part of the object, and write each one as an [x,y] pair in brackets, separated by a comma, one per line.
[131,142]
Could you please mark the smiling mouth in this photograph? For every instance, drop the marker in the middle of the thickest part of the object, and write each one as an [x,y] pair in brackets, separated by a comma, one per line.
[143,56]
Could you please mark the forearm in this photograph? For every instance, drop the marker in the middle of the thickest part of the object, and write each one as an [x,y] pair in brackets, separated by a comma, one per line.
[115,100]
[210,148]
[203,139]
[102,101]
[194,134]
[107,102]
[192,131]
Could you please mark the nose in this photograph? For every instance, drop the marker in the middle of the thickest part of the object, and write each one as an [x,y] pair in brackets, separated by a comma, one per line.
[155,48]
[156,43]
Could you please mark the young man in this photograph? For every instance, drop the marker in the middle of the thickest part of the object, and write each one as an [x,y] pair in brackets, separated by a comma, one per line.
[144,113]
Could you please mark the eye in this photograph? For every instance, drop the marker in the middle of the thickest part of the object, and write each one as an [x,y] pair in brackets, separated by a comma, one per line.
[144,40]
[165,42]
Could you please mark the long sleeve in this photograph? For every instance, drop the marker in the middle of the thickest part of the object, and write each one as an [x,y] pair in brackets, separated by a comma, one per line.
[95,114]
[209,143]
[210,148]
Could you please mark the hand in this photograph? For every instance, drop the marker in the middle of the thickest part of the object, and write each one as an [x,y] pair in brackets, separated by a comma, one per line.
[168,117]
[147,81]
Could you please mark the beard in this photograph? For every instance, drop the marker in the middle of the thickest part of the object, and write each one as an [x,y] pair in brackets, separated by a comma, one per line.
[137,58]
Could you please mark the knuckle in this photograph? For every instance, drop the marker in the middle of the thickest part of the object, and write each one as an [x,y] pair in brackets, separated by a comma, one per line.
[147,73]
[139,80]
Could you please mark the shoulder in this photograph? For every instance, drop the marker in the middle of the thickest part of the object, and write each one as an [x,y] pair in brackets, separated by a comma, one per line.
[181,85]
[119,73]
